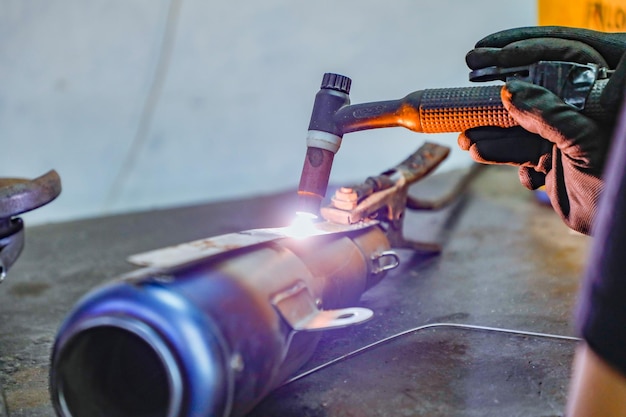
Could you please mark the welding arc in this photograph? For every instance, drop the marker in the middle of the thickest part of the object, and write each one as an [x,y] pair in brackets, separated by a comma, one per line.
[424,327]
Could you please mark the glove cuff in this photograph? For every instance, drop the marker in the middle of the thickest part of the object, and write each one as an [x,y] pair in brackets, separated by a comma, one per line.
[530,178]
[574,196]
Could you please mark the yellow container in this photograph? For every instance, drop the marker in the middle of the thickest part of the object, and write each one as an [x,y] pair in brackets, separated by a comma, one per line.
[603,15]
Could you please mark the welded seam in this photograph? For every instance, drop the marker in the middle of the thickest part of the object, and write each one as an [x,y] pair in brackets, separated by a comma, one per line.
[152,99]
[424,327]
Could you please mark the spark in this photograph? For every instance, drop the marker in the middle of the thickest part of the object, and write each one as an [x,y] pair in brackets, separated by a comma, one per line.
[303,226]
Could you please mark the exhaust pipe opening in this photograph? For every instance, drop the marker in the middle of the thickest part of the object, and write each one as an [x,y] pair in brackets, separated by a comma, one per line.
[116,371]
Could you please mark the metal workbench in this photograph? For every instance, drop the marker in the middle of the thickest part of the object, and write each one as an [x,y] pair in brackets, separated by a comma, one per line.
[508,262]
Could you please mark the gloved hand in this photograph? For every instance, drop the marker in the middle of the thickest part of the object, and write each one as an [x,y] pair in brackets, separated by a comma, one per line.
[555,145]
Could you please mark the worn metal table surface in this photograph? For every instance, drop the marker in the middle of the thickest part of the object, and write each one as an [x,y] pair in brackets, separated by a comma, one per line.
[507,262]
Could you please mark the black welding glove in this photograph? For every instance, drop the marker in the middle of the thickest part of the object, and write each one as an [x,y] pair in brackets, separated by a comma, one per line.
[554,145]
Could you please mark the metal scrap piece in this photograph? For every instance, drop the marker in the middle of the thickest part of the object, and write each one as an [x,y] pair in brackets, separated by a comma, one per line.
[17,196]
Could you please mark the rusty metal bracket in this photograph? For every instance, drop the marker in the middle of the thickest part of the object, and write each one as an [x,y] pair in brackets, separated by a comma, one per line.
[385,196]
[17,196]
[298,309]
[203,249]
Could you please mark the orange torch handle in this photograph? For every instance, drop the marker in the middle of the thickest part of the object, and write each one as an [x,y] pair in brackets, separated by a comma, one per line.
[457,109]
[442,110]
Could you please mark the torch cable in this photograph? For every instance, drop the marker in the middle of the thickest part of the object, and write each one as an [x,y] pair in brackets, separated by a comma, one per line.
[164,57]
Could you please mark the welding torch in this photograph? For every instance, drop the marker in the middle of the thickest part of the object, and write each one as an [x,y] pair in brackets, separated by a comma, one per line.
[433,111]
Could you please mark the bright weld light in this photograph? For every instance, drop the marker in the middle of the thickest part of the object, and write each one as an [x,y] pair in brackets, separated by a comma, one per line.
[302,226]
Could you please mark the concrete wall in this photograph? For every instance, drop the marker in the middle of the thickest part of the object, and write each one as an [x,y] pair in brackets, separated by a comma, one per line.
[151,103]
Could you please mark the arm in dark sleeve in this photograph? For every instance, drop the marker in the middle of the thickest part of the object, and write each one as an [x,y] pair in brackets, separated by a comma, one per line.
[601,316]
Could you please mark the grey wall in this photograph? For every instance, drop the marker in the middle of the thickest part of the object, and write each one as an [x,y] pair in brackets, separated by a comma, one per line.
[151,103]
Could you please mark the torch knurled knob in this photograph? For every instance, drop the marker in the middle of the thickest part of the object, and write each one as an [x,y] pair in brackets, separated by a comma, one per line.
[336,82]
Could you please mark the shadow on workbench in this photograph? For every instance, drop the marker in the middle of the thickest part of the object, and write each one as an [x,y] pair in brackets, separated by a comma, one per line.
[507,262]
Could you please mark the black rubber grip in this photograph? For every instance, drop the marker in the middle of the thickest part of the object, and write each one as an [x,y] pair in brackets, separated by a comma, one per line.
[458,109]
